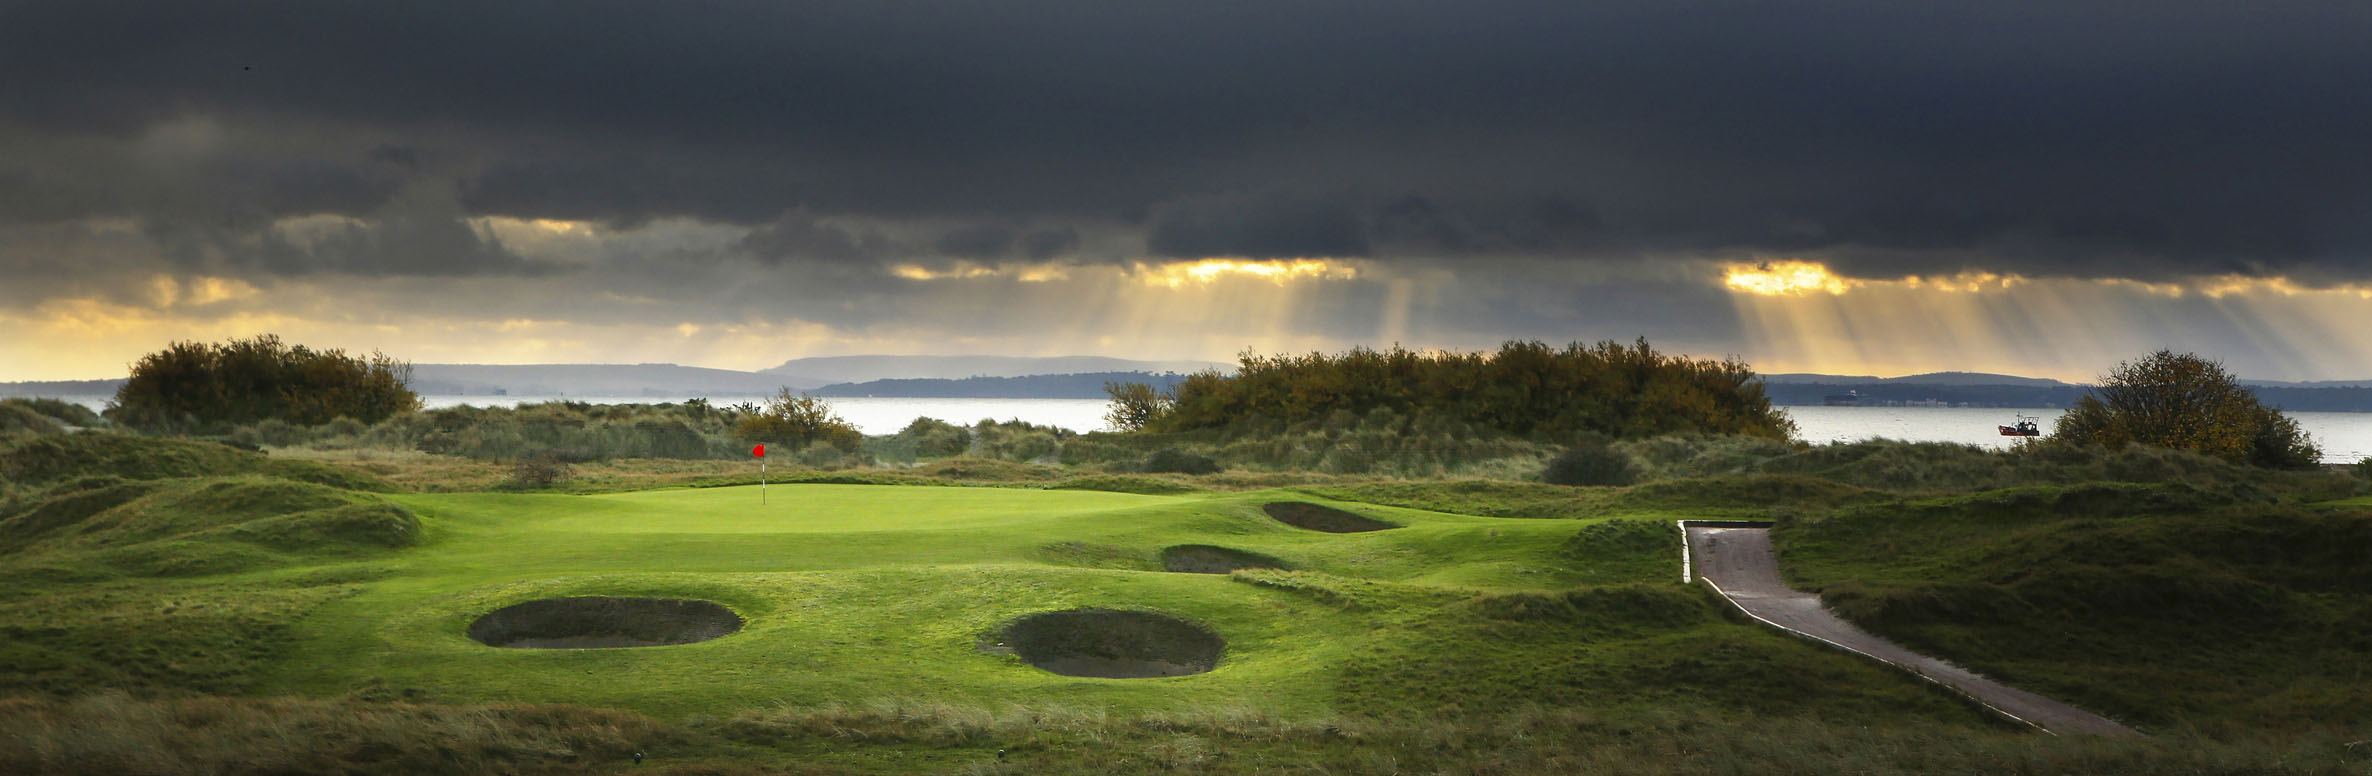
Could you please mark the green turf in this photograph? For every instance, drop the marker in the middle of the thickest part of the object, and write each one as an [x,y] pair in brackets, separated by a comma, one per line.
[870,594]
[2161,605]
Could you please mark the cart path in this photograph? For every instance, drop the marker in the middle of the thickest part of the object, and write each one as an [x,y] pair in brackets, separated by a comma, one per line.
[1740,565]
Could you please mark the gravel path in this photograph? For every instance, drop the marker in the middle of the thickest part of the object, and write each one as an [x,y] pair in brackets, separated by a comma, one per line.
[1740,564]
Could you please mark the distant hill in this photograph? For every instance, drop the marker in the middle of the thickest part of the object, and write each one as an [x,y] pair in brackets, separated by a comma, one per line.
[1889,392]
[597,380]
[859,369]
[1931,378]
[1975,389]
[1989,390]
[1089,385]
[62,388]
[631,380]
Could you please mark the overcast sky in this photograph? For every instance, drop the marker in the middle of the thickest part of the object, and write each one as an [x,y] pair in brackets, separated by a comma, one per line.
[1867,187]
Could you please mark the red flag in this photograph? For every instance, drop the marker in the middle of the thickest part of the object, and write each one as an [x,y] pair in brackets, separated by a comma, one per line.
[759,451]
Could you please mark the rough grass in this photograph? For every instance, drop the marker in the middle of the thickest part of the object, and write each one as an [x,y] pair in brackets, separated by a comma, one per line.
[199,525]
[1745,494]
[50,459]
[418,472]
[114,733]
[1930,468]
[59,410]
[111,733]
[2164,605]
[1377,443]
[190,637]
[19,420]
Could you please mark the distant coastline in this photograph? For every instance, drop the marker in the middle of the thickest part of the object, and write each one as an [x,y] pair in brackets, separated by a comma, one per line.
[1947,389]
[1071,386]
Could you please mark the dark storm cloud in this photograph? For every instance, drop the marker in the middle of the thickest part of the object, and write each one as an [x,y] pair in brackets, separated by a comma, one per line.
[1546,225]
[981,241]
[419,233]
[1258,227]
[2110,139]
[1043,244]
[799,236]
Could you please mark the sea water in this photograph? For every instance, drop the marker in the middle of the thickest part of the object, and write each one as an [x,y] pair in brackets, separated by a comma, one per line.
[2345,437]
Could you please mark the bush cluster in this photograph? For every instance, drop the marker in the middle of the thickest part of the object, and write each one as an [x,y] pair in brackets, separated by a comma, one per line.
[571,430]
[1525,388]
[796,422]
[2184,402]
[1171,460]
[1591,461]
[193,387]
[541,470]
[1379,442]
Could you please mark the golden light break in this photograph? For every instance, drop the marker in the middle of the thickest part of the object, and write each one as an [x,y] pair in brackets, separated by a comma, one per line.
[1279,271]
[1784,278]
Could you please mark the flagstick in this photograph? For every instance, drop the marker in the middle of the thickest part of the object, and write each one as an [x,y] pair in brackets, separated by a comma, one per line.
[761,481]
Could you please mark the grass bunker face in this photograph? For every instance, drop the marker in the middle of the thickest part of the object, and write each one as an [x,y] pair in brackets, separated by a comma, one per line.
[1114,644]
[1206,559]
[598,622]
[1322,518]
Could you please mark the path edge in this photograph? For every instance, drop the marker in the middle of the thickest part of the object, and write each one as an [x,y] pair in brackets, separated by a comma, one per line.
[1686,577]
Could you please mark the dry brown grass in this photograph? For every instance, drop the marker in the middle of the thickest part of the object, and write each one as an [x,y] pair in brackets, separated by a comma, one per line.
[114,733]
[420,472]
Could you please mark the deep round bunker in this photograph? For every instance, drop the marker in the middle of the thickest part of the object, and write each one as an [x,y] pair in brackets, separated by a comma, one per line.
[595,622]
[1113,644]
[1316,517]
[1206,559]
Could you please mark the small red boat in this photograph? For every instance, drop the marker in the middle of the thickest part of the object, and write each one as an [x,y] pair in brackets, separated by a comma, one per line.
[2026,427]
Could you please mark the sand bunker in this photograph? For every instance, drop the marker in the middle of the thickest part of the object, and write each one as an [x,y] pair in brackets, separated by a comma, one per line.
[1206,559]
[1114,644]
[600,622]
[1322,518]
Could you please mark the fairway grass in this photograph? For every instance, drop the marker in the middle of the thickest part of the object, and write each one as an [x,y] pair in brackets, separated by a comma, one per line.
[858,594]
[863,595]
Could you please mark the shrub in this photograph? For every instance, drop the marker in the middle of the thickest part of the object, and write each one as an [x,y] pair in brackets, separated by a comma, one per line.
[1171,460]
[2185,402]
[540,470]
[796,422]
[822,455]
[934,438]
[1134,405]
[1378,442]
[196,387]
[1591,461]
[1015,440]
[1525,388]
